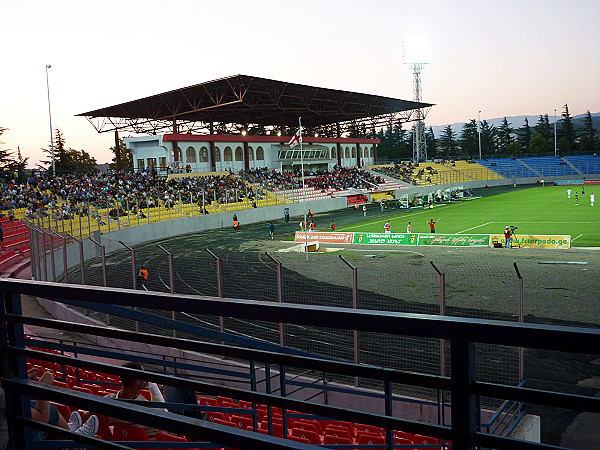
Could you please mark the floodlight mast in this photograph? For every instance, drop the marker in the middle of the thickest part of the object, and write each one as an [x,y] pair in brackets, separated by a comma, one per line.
[419,147]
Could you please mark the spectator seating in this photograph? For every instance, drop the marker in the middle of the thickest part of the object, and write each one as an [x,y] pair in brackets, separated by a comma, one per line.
[584,164]
[507,167]
[546,166]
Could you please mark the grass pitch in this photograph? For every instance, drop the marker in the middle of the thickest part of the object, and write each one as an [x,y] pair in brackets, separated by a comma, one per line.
[536,211]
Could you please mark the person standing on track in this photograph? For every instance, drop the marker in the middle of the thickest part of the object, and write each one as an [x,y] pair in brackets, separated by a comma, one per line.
[272,230]
[387,227]
[432,225]
[236,225]
[333,223]
[311,225]
[143,276]
[409,227]
[507,237]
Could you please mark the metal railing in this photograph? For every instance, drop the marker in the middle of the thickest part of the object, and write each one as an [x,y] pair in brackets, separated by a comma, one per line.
[461,333]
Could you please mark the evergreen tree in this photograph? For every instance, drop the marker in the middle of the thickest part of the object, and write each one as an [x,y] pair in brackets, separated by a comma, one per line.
[539,144]
[514,149]
[469,139]
[543,127]
[524,135]
[447,142]
[504,136]
[432,145]
[68,159]
[567,131]
[488,138]
[588,126]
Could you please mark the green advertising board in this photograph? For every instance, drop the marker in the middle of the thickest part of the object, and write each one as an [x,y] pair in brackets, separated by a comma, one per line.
[455,240]
[386,239]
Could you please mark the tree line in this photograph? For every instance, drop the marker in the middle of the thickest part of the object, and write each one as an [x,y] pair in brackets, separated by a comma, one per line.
[397,143]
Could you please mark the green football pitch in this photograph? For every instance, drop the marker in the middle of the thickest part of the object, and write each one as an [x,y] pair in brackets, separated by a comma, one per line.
[540,210]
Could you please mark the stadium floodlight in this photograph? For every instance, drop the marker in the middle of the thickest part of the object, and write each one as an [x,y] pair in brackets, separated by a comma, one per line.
[479,131]
[554,131]
[416,53]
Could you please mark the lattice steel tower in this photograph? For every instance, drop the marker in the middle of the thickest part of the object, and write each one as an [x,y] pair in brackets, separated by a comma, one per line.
[419,144]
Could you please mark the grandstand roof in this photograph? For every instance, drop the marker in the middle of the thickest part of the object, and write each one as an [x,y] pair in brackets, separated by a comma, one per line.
[251,101]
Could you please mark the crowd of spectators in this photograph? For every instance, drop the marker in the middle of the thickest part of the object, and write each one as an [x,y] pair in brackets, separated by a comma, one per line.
[409,173]
[63,196]
[338,179]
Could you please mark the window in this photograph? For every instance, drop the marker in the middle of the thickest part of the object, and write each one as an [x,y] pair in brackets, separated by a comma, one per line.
[354,152]
[333,153]
[227,155]
[347,153]
[250,154]
[178,153]
[217,154]
[162,163]
[151,163]
[190,155]
[239,154]
[372,152]
[260,154]
[204,154]
[141,165]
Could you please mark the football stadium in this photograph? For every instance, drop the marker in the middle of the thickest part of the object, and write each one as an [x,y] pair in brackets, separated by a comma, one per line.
[256,284]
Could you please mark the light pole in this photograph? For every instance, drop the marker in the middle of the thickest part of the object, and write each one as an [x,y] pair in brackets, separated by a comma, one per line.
[554,131]
[50,116]
[479,131]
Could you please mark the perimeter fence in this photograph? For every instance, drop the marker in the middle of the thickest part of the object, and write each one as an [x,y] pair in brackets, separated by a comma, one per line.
[399,282]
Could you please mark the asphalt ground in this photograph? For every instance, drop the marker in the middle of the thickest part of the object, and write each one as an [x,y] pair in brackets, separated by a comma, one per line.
[481,282]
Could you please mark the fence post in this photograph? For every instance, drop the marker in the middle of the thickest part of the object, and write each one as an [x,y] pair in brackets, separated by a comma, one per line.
[279,292]
[32,255]
[219,285]
[103,260]
[43,248]
[354,306]
[442,411]
[171,286]
[65,266]
[51,253]
[520,318]
[133,276]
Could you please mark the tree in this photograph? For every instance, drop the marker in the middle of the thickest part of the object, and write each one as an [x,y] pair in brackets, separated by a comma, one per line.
[432,145]
[543,127]
[447,142]
[126,156]
[11,166]
[588,126]
[567,130]
[488,138]
[68,159]
[539,144]
[524,135]
[469,139]
[514,149]
[504,136]
[564,146]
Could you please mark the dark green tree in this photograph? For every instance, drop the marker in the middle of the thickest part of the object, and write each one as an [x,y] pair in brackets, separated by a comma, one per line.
[563,145]
[567,131]
[539,144]
[504,136]
[126,156]
[524,135]
[432,145]
[588,126]
[514,149]
[447,142]
[543,127]
[488,138]
[469,139]
[68,159]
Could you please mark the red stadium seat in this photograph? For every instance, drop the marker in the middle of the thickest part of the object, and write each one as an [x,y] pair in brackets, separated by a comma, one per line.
[370,439]
[312,436]
[336,440]
[122,432]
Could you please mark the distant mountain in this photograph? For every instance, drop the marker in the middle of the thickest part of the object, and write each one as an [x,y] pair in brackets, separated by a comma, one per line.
[518,121]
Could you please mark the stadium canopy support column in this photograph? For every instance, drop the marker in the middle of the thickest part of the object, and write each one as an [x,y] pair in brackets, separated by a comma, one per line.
[358,150]
[374,153]
[246,159]
[117,151]
[213,163]
[175,145]
[339,144]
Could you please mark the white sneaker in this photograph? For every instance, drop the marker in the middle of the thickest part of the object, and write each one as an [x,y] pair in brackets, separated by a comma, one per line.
[75,421]
[90,428]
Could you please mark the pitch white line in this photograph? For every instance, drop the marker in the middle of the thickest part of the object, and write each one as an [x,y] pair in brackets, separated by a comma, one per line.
[472,228]
[576,237]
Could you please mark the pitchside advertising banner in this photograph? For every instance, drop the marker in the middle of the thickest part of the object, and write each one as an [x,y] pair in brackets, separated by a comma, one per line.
[385,239]
[449,240]
[455,240]
[536,241]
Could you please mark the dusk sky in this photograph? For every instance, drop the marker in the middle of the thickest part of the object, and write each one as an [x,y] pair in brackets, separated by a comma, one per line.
[504,58]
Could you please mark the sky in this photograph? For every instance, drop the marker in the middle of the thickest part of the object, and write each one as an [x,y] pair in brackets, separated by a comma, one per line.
[504,58]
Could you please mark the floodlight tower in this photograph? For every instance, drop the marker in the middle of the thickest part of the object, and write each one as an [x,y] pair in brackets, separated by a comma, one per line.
[415,54]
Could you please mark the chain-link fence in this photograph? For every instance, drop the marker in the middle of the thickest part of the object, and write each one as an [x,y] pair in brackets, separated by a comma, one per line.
[395,281]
